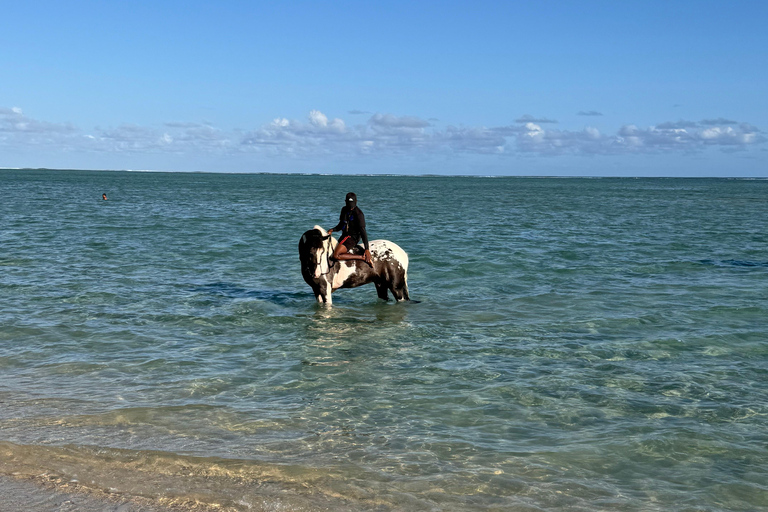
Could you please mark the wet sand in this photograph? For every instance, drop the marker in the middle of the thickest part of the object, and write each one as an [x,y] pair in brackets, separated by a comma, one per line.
[29,495]
[47,478]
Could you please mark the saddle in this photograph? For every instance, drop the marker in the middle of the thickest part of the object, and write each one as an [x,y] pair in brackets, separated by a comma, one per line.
[358,249]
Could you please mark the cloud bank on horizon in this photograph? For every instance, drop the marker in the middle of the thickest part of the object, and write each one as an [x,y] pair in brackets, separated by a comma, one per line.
[381,134]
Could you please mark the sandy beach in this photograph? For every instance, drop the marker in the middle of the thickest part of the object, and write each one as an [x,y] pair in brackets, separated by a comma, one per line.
[25,495]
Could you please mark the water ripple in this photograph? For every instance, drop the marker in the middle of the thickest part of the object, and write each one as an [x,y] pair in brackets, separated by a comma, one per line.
[578,345]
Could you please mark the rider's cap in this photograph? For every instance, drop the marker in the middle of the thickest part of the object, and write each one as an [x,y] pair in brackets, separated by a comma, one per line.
[351,200]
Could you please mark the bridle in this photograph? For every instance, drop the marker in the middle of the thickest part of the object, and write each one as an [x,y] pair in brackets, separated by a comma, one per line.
[328,254]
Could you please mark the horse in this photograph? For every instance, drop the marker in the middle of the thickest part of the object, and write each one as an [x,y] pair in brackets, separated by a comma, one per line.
[325,275]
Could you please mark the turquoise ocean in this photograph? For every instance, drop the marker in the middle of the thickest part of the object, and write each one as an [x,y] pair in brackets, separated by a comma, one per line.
[578,344]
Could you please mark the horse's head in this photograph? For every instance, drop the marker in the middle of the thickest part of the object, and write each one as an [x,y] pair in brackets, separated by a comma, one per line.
[315,250]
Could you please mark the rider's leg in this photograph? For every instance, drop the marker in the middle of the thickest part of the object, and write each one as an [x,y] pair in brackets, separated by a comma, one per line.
[341,253]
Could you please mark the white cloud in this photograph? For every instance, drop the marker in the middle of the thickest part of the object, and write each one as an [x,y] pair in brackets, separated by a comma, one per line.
[13,122]
[318,135]
[281,122]
[727,136]
[381,134]
[685,136]
[555,142]
[691,136]
[593,133]
[317,118]
[178,137]
[320,121]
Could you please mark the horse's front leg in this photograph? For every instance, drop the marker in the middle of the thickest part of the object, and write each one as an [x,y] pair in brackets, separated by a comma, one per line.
[323,293]
[328,294]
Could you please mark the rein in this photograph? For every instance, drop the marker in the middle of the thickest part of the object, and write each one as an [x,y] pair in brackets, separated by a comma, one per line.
[328,254]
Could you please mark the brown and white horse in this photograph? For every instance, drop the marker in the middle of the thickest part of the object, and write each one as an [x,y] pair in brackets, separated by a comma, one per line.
[325,275]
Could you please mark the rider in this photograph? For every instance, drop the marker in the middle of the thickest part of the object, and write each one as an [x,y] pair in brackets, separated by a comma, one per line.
[352,225]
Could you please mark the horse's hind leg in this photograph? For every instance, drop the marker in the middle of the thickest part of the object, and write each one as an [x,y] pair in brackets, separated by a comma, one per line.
[400,294]
[406,296]
[399,290]
[381,290]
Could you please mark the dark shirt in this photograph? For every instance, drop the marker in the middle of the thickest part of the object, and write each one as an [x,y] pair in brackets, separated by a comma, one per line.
[352,223]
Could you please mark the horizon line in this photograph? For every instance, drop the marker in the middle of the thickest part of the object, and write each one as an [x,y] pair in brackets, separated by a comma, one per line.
[423,175]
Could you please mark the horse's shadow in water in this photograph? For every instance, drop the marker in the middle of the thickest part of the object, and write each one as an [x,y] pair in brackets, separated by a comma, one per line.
[228,291]
[232,291]
[371,313]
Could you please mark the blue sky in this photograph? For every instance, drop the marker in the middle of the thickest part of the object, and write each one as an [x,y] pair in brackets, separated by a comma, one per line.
[519,88]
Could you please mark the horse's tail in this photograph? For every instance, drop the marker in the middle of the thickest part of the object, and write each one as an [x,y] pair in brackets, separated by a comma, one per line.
[405,275]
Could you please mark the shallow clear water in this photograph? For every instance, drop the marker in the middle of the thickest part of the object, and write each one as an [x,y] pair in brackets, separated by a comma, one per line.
[580,344]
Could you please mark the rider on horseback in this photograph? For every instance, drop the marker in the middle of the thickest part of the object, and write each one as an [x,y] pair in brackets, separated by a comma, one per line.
[352,225]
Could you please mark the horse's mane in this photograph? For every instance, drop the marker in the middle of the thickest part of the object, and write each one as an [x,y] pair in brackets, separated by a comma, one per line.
[324,233]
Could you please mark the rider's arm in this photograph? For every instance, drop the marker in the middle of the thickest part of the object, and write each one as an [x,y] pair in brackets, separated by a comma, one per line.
[363,232]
